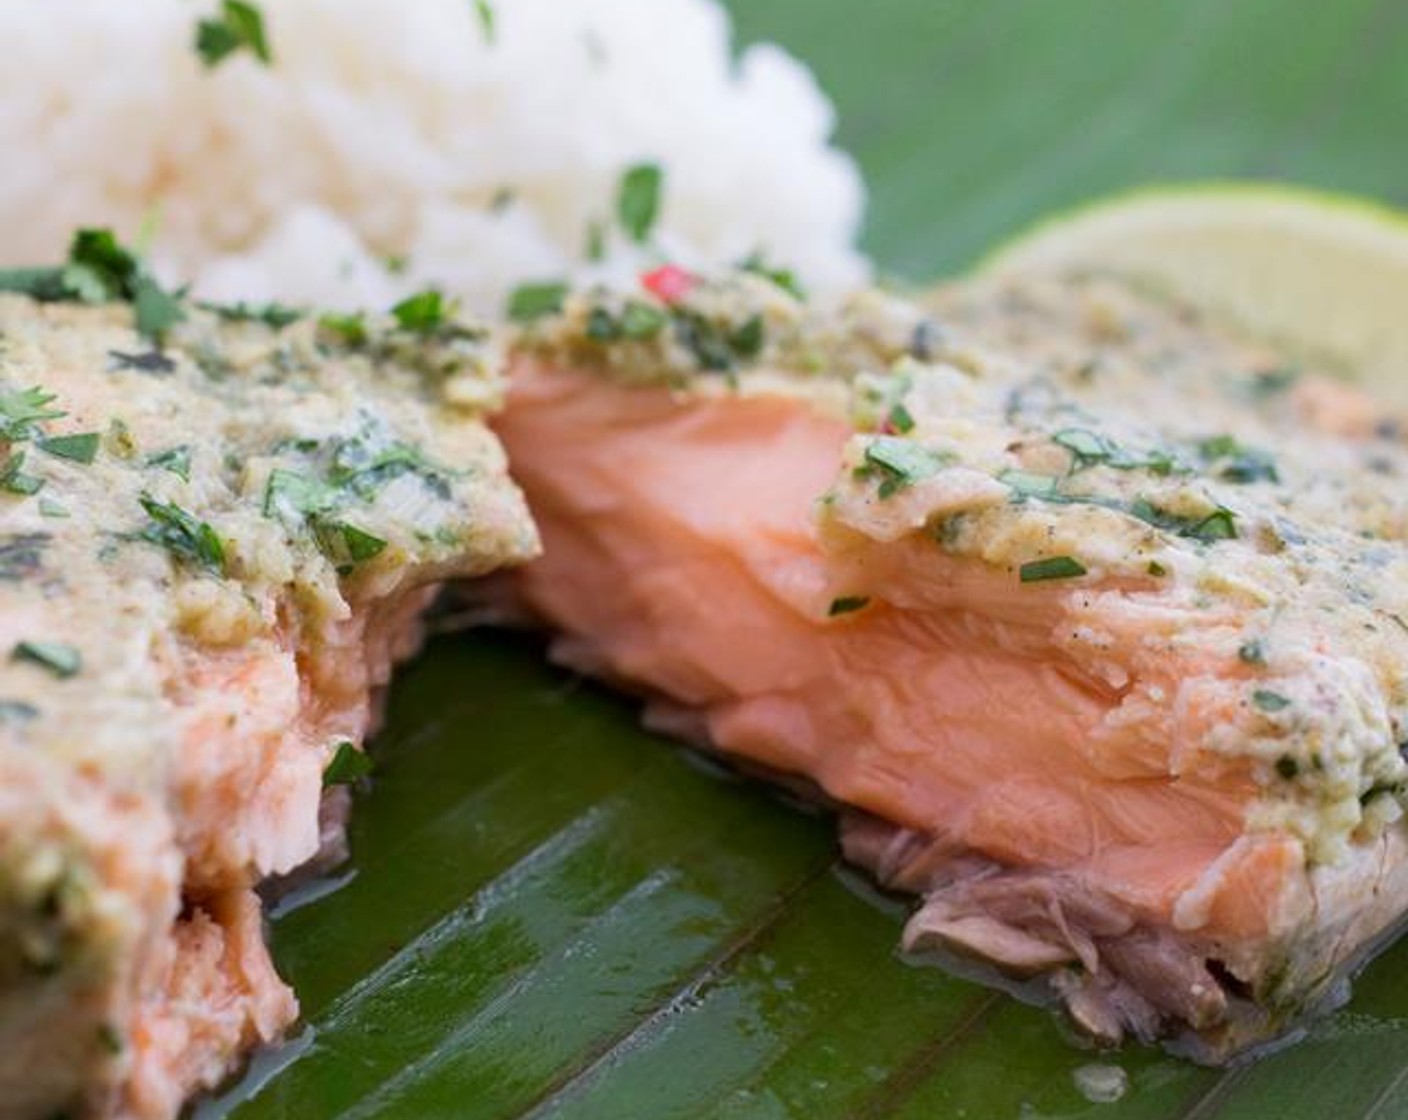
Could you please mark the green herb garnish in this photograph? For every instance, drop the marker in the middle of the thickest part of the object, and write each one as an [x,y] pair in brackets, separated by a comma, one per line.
[351,329]
[1028,484]
[1053,567]
[13,480]
[1252,652]
[290,495]
[22,410]
[1287,767]
[22,555]
[101,270]
[1219,525]
[900,462]
[423,312]
[17,711]
[50,508]
[529,302]
[638,200]
[594,247]
[783,278]
[348,765]
[275,315]
[1232,462]
[81,447]
[153,361]
[900,419]
[1272,382]
[847,604]
[1156,569]
[1269,701]
[1086,447]
[238,26]
[59,658]
[484,11]
[183,535]
[177,460]
[344,543]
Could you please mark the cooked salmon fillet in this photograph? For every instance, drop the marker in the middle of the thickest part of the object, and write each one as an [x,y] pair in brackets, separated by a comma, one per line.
[1086,614]
[211,552]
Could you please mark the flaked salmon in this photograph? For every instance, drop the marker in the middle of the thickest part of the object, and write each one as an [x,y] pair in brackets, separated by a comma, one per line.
[211,553]
[1089,616]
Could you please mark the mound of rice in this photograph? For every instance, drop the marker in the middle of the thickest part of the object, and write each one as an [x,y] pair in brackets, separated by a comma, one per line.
[470,153]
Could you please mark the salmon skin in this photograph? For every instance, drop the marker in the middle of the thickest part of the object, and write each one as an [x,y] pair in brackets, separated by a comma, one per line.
[211,552]
[1087,613]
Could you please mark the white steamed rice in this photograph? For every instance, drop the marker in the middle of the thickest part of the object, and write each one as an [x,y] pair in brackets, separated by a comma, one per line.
[388,128]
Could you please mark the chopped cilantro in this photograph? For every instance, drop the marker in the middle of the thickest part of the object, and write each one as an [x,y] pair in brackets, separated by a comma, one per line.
[1219,525]
[423,312]
[900,419]
[357,544]
[156,310]
[783,278]
[900,462]
[528,302]
[1028,484]
[348,765]
[238,26]
[1053,567]
[351,329]
[1086,447]
[705,341]
[594,248]
[1272,382]
[59,658]
[747,340]
[484,11]
[638,200]
[177,460]
[636,321]
[50,508]
[1089,449]
[1252,652]
[288,492]
[17,711]
[275,315]
[1269,701]
[153,361]
[1287,767]
[1230,461]
[80,447]
[13,480]
[22,555]
[183,535]
[21,410]
[290,495]
[1156,569]
[101,270]
[847,604]
[641,320]
[110,1038]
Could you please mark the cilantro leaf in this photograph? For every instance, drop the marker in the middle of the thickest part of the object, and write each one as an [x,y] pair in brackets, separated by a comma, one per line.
[1053,567]
[423,312]
[528,302]
[638,200]
[80,447]
[238,26]
[348,765]
[183,535]
[62,660]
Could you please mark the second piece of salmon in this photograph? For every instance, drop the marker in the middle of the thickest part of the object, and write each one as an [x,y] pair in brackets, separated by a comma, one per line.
[1088,615]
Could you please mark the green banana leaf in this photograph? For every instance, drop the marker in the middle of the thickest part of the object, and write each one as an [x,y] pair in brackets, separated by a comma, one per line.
[549,912]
